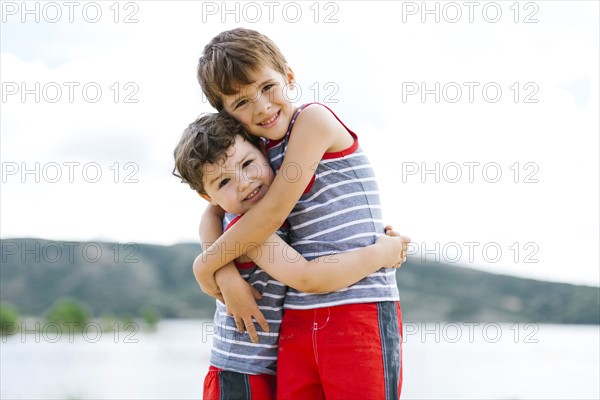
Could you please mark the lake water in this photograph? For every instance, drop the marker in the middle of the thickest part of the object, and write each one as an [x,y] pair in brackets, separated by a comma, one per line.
[441,361]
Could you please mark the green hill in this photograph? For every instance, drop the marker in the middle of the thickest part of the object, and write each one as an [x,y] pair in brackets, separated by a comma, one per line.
[121,279]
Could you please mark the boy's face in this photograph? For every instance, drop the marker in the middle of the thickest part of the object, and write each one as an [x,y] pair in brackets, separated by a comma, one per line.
[240,181]
[263,107]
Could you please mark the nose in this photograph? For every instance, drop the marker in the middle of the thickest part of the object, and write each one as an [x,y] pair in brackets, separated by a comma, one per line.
[243,182]
[263,104]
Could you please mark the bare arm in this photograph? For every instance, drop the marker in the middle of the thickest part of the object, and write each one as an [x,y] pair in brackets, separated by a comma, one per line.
[315,132]
[239,297]
[331,272]
[210,229]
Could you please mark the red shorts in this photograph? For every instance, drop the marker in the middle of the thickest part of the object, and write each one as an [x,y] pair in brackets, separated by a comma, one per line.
[345,352]
[228,385]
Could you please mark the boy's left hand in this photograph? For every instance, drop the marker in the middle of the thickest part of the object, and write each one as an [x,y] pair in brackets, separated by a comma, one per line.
[405,240]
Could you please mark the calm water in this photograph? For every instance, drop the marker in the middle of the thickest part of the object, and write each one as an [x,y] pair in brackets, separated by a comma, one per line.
[442,361]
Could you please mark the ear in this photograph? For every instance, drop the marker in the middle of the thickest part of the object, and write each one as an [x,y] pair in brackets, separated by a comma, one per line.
[289,76]
[208,198]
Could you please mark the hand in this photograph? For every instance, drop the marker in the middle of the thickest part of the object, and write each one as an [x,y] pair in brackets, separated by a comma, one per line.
[207,282]
[397,247]
[240,301]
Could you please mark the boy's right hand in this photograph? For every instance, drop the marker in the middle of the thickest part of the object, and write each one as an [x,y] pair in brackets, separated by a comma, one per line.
[394,246]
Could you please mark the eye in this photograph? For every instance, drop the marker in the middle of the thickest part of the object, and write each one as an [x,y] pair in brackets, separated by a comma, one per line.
[240,103]
[268,87]
[247,163]
[223,183]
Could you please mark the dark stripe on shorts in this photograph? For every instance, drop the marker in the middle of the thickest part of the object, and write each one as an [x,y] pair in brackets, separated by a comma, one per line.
[234,386]
[389,332]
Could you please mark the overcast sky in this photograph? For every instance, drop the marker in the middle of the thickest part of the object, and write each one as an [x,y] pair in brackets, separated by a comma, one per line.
[481,119]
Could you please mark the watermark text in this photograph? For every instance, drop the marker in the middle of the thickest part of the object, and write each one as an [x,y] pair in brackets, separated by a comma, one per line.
[70,92]
[67,252]
[69,171]
[53,12]
[452,12]
[54,332]
[270,11]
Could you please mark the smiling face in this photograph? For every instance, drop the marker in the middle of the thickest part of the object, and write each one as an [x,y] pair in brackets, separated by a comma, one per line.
[262,107]
[237,183]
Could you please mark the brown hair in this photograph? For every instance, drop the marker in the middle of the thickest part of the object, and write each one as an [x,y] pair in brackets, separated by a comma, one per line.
[229,59]
[206,141]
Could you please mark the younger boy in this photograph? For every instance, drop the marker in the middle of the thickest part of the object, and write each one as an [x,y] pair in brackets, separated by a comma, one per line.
[229,169]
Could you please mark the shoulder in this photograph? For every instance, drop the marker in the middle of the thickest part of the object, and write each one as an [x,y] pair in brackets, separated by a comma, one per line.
[316,114]
[318,120]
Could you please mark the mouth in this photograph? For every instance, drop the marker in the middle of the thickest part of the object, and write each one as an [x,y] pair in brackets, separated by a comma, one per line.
[268,122]
[254,193]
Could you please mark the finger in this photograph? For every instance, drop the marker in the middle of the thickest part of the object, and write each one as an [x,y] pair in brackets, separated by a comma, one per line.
[392,233]
[251,330]
[262,321]
[388,228]
[239,324]
[255,293]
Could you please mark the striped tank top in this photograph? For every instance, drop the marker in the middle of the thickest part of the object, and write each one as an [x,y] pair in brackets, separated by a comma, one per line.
[339,211]
[232,351]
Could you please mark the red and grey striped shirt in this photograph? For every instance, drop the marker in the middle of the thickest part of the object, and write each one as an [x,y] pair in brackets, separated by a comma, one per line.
[339,211]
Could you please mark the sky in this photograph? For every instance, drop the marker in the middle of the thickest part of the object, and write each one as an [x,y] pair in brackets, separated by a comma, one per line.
[480,119]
